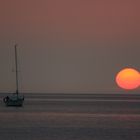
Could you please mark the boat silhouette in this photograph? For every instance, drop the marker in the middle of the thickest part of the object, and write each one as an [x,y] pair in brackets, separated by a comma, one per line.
[15,99]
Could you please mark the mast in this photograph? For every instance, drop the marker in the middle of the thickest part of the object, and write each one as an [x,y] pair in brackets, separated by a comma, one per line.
[16,66]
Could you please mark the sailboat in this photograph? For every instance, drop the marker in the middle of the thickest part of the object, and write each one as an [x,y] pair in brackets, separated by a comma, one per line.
[15,99]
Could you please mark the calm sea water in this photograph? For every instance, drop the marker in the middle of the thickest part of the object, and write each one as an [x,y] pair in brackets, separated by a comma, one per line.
[72,117]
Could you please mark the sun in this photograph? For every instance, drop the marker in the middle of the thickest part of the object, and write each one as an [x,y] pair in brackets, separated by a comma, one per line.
[128,78]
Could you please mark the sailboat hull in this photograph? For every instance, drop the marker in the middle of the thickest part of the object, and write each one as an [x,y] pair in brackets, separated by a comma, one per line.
[14,100]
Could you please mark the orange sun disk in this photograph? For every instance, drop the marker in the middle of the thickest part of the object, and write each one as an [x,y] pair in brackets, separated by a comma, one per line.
[128,78]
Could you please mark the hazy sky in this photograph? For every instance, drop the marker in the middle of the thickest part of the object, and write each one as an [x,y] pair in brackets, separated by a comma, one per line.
[70,46]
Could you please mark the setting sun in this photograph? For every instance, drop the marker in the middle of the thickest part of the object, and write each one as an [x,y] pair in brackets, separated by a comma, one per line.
[128,78]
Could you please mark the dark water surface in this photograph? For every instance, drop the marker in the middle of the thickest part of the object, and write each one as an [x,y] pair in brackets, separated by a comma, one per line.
[72,117]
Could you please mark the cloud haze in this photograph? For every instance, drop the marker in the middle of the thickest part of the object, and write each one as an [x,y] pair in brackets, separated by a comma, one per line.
[68,45]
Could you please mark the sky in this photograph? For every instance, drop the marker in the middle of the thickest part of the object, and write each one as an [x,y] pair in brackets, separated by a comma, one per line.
[68,46]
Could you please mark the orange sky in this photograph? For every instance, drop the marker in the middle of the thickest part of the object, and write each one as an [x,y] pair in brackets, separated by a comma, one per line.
[96,37]
[81,19]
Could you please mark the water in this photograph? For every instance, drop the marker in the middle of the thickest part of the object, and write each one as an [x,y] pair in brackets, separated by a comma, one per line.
[72,117]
